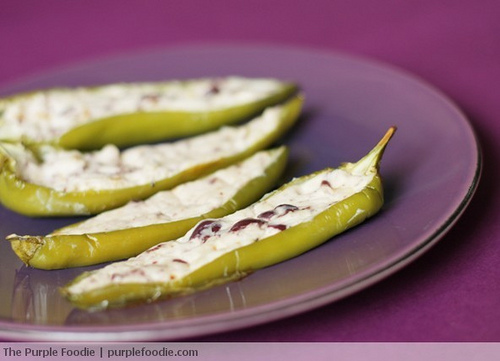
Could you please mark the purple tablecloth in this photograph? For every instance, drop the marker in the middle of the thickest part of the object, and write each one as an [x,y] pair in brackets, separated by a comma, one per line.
[452,293]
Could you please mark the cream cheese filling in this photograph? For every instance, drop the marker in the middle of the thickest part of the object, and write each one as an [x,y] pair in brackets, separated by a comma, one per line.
[45,115]
[187,200]
[207,241]
[108,168]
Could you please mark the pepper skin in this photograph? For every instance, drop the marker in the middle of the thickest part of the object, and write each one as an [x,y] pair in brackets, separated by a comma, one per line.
[36,200]
[66,248]
[161,111]
[156,274]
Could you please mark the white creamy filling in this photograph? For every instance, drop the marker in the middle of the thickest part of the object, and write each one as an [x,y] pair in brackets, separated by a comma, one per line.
[47,114]
[184,201]
[176,259]
[73,171]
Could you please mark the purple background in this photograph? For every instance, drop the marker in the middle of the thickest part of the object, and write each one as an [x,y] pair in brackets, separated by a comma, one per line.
[452,293]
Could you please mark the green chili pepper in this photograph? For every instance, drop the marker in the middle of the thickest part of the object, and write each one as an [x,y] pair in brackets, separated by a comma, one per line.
[127,114]
[137,226]
[285,223]
[60,191]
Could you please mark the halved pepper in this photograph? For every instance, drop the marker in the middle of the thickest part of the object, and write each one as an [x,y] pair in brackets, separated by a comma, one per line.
[285,223]
[127,231]
[126,114]
[50,181]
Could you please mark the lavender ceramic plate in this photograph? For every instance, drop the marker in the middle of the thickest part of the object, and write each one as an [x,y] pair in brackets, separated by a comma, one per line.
[350,104]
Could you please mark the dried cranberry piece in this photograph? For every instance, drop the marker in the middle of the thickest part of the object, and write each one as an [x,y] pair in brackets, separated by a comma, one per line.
[267,214]
[326,183]
[214,89]
[283,209]
[245,223]
[205,230]
[280,210]
[281,227]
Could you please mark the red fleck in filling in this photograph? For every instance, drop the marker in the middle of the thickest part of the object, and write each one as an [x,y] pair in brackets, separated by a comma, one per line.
[137,271]
[152,249]
[151,97]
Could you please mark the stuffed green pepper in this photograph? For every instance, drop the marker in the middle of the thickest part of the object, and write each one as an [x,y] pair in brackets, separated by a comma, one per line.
[127,114]
[291,220]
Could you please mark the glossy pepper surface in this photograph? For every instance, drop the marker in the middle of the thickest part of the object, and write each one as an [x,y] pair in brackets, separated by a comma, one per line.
[126,114]
[169,164]
[137,226]
[285,223]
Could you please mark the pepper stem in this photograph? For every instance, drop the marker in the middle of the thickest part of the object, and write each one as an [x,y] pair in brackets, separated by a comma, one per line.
[372,159]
